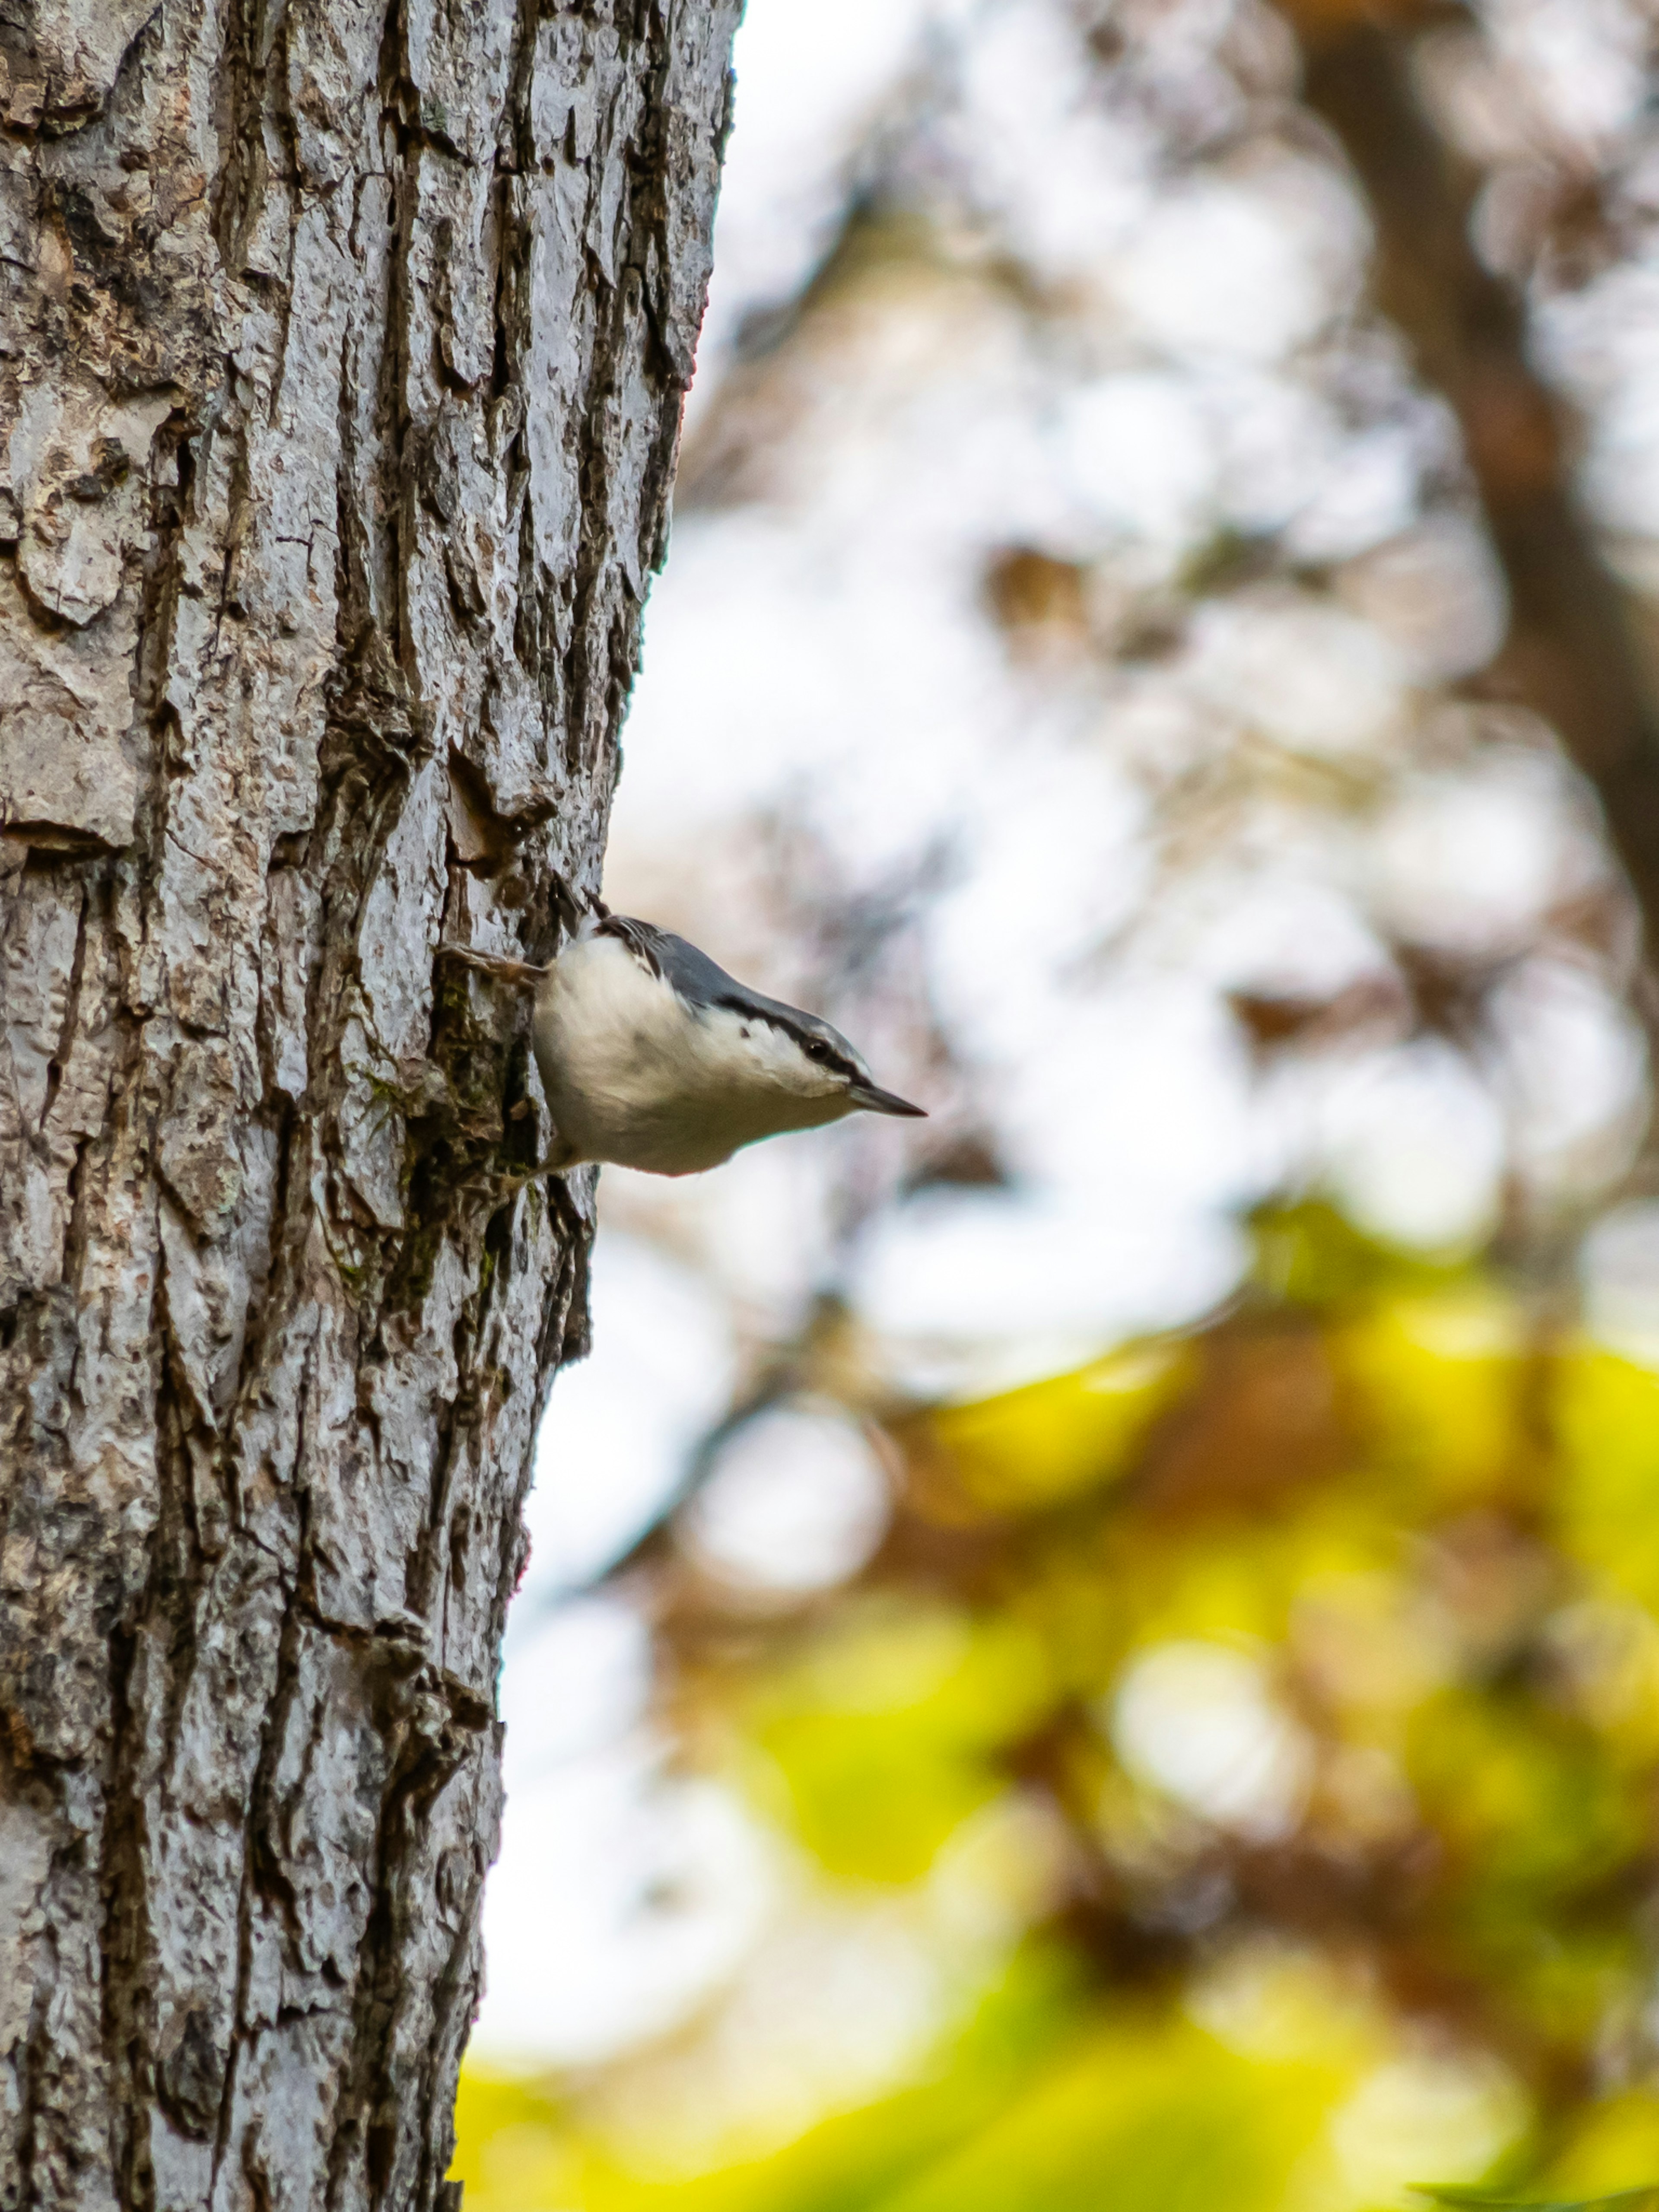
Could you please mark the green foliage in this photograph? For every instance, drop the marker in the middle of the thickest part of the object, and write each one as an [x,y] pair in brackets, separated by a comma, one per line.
[884,1732]
[1394,1922]
[1638,2200]
[1059,1438]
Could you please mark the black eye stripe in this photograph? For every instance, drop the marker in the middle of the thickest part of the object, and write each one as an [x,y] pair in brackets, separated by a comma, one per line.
[827,1056]
[815,1047]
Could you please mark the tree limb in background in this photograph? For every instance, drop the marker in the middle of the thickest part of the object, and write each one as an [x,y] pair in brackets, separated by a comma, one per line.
[1570,654]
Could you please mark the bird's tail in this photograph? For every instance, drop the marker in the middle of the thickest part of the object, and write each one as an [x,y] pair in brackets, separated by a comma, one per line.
[520,972]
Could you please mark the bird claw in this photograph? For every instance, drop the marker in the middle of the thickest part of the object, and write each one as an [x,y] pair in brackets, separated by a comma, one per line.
[561,1199]
[515,1183]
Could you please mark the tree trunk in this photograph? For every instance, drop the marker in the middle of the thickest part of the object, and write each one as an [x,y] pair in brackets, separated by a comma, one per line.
[341,361]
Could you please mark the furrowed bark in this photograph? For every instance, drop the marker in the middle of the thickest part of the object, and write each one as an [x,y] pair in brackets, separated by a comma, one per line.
[342,348]
[1571,653]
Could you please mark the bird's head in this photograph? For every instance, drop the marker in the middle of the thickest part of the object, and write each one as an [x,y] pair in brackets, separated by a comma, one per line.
[811,1066]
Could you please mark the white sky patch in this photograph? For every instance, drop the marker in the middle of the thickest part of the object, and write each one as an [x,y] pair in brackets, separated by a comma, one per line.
[1140,454]
[1047,871]
[809,87]
[1621,473]
[1276,932]
[1413,1145]
[780,669]
[621,1897]
[1306,674]
[797,1500]
[1140,1096]
[1435,592]
[841,1997]
[1372,495]
[620,1427]
[1123,1115]
[955,1273]
[1576,1066]
[1586,62]
[1619,1269]
[761,1225]
[577,1677]
[845,1994]
[1213,270]
[1200,1723]
[1063,181]
[1279,441]
[1600,340]
[1471,859]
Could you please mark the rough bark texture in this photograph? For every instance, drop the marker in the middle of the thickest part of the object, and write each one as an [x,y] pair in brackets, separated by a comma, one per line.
[341,358]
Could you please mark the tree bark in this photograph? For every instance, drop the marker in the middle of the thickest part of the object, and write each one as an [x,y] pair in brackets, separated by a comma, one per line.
[341,358]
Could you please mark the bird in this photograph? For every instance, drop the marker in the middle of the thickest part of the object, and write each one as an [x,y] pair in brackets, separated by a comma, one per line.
[653,1057]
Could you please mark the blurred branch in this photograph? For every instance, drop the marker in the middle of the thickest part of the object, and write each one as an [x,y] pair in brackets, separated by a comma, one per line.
[1570,654]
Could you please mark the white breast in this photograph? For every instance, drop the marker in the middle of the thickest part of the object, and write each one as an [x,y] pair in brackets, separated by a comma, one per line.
[634,1076]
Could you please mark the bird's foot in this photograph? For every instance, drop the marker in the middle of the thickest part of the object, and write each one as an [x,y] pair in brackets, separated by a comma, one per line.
[522,973]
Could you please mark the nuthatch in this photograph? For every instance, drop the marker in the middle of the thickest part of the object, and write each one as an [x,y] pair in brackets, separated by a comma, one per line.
[653,1057]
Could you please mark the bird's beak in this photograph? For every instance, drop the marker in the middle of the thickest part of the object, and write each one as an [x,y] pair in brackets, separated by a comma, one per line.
[884,1101]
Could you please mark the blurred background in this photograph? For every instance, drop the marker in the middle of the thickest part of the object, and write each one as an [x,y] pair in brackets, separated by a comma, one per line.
[1101,1649]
